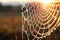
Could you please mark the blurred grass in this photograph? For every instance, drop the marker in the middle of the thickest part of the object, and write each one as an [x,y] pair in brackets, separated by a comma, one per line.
[8,23]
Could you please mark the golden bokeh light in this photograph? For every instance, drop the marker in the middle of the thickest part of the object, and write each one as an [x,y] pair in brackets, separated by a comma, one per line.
[46,1]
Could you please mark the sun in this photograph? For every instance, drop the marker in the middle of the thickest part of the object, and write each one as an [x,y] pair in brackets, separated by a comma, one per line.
[44,1]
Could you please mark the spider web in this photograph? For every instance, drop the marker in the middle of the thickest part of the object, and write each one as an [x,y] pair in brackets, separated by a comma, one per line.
[38,21]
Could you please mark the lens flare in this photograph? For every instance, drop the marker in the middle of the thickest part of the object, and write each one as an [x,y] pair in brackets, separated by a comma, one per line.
[46,1]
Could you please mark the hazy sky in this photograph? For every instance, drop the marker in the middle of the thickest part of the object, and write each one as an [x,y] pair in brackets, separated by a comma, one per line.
[13,2]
